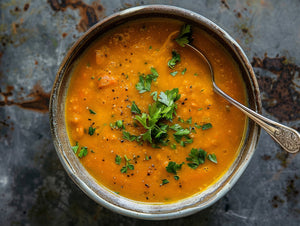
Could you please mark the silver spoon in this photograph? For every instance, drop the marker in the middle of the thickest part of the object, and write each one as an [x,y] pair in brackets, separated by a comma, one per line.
[288,138]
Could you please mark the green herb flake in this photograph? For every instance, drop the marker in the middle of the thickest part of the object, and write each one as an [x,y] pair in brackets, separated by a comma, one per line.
[127,166]
[75,148]
[92,112]
[175,59]
[196,157]
[150,47]
[128,136]
[183,71]
[185,35]
[189,121]
[206,126]
[164,181]
[173,146]
[135,109]
[212,158]
[174,73]
[195,74]
[173,167]
[118,159]
[83,152]
[176,177]
[144,84]
[91,131]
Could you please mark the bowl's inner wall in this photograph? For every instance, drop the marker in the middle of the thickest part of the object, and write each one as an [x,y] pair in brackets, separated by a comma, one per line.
[78,173]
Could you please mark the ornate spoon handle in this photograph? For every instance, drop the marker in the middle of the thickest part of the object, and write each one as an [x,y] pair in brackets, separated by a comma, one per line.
[288,138]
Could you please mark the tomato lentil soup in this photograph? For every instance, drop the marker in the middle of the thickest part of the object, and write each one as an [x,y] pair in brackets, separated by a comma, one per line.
[102,119]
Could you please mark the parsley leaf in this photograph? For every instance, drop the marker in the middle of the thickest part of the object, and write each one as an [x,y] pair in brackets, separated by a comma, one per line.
[75,148]
[164,181]
[197,157]
[212,158]
[91,130]
[144,83]
[128,136]
[92,112]
[117,125]
[185,35]
[135,109]
[128,165]
[175,59]
[183,71]
[83,152]
[173,167]
[118,159]
[174,73]
[206,126]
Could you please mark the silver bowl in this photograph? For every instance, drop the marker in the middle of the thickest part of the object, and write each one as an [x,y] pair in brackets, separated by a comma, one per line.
[106,197]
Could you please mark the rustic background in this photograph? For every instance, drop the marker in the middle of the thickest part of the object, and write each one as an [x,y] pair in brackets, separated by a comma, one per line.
[35,35]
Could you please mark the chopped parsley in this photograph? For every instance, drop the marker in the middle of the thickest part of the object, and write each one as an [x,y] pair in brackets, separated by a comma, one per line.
[91,130]
[164,181]
[144,83]
[174,73]
[175,59]
[196,157]
[83,152]
[128,136]
[173,167]
[118,159]
[183,71]
[212,158]
[92,112]
[75,148]
[135,109]
[185,35]
[117,125]
[206,126]
[127,166]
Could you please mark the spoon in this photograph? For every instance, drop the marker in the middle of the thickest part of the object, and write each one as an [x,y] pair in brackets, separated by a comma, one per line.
[288,138]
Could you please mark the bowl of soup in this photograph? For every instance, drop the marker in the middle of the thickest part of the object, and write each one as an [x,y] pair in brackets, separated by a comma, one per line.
[134,118]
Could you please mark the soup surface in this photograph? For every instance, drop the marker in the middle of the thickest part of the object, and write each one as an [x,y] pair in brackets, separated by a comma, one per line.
[142,116]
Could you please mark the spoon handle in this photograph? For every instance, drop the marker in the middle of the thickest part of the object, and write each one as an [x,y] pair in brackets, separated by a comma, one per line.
[288,138]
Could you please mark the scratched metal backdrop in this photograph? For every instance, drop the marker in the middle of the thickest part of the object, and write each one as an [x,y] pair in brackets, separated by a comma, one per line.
[35,35]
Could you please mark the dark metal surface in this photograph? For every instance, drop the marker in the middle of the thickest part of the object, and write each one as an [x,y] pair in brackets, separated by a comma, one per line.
[35,35]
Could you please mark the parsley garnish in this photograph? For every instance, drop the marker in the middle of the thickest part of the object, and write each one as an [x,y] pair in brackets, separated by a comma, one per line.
[173,167]
[164,181]
[185,35]
[212,158]
[135,109]
[118,159]
[117,125]
[128,165]
[128,136]
[75,148]
[183,71]
[144,83]
[197,157]
[83,152]
[164,108]
[174,73]
[181,135]
[206,126]
[92,112]
[175,59]
[91,130]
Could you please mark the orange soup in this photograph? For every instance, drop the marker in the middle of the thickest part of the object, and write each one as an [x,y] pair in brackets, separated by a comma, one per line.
[142,116]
